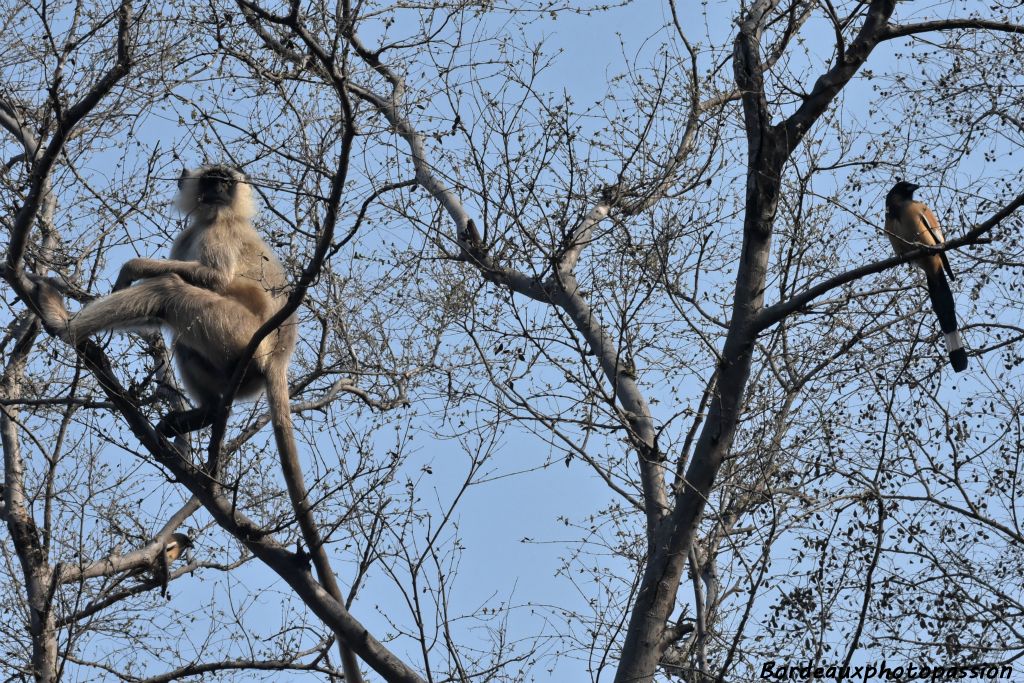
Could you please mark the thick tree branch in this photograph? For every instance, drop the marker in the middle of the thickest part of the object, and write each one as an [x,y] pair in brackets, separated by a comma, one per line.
[289,566]
[768,148]
[902,30]
[831,82]
[17,512]
[619,370]
[142,558]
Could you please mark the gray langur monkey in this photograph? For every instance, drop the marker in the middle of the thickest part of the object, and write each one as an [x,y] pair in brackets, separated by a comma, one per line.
[220,285]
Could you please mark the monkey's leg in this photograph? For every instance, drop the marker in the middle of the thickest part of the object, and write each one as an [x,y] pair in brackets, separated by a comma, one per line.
[945,309]
[217,326]
[127,308]
[198,376]
[211,331]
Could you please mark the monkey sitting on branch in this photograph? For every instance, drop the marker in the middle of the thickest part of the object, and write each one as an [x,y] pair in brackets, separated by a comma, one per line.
[220,285]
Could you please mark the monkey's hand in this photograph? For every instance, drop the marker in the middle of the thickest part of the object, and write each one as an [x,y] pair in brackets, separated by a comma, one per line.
[130,272]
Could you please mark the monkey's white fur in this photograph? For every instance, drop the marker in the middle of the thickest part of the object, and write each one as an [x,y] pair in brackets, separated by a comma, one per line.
[220,285]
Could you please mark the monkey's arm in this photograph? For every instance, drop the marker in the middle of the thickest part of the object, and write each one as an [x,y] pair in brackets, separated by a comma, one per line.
[192,272]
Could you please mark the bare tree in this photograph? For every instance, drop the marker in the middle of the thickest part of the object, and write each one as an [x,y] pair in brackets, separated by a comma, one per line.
[682,289]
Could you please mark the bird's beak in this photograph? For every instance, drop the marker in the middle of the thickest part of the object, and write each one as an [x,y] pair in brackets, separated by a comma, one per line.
[913,186]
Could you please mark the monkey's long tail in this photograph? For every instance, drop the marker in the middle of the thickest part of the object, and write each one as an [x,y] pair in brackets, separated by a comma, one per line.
[945,309]
[284,435]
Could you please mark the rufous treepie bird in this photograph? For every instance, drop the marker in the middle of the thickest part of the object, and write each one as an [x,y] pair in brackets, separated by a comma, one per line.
[911,225]
[176,545]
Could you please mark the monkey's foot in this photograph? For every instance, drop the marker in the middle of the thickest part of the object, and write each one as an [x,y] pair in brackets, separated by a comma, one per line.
[50,306]
[180,423]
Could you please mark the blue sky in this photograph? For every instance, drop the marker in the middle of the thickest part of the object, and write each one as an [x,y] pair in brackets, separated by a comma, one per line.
[509,526]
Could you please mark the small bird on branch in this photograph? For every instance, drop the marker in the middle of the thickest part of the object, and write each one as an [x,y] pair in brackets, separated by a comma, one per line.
[911,225]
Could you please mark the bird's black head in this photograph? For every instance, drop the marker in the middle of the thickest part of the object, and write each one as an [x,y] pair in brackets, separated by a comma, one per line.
[901,192]
[183,541]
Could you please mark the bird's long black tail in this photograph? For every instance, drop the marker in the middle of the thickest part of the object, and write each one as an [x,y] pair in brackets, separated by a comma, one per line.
[945,309]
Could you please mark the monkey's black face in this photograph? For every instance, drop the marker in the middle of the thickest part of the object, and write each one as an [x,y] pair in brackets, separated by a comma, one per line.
[216,186]
[902,191]
[208,191]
